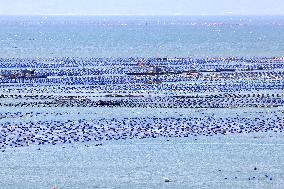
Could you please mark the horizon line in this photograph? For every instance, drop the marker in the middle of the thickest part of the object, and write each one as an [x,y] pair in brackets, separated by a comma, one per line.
[177,14]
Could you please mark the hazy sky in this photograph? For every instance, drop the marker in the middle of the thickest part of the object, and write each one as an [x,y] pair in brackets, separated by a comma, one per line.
[142,7]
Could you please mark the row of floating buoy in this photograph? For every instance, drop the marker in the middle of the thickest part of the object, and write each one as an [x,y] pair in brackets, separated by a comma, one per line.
[227,100]
[180,88]
[91,62]
[81,77]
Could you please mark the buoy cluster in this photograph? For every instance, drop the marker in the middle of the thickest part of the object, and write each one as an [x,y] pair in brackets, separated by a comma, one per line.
[149,83]
[17,134]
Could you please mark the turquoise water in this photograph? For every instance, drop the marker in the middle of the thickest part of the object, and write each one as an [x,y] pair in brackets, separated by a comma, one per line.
[141,36]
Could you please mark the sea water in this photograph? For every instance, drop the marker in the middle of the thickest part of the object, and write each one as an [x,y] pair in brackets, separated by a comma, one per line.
[121,36]
[214,162]
[194,162]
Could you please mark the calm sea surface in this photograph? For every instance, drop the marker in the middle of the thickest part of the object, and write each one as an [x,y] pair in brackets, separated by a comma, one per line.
[215,162]
[50,36]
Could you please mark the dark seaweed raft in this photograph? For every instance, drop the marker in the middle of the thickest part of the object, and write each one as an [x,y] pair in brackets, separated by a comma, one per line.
[47,88]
